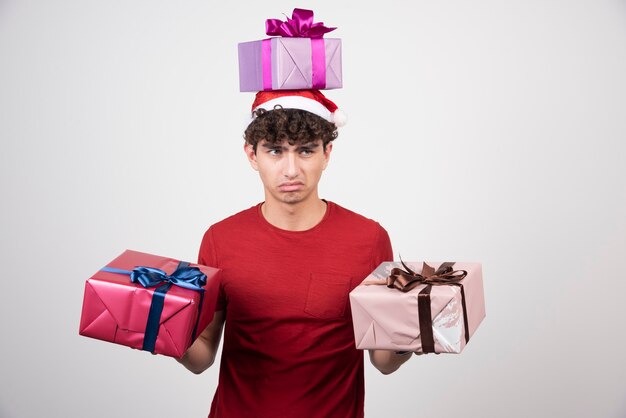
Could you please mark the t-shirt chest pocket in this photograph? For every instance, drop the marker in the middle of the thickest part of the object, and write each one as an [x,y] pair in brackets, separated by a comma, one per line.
[327,295]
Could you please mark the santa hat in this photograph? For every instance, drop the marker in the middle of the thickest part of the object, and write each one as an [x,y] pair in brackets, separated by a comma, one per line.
[310,100]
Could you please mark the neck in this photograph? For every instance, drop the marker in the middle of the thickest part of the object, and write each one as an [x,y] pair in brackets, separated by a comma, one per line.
[294,216]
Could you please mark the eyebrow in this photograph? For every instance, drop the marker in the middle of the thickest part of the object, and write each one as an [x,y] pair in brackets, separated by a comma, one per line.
[310,145]
[269,145]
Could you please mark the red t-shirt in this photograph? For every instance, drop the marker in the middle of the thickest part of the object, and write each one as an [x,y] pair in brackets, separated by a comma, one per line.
[288,339]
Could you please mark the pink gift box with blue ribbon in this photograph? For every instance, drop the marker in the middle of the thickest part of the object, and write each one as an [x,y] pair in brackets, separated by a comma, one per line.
[297,57]
[148,302]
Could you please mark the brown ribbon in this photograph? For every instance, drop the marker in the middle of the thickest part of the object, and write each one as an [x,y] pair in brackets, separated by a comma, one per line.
[405,280]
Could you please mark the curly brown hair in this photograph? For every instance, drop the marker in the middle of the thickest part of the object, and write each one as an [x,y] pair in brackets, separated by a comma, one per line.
[296,126]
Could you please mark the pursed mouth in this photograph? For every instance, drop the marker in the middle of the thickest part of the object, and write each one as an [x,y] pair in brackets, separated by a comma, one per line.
[291,186]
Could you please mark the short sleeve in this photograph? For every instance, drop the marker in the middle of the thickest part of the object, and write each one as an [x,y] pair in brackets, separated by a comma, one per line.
[382,248]
[207,256]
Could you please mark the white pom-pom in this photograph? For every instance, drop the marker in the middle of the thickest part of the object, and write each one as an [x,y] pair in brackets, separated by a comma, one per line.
[339,118]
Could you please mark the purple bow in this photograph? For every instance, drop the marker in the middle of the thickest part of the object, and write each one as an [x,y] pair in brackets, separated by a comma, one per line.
[299,26]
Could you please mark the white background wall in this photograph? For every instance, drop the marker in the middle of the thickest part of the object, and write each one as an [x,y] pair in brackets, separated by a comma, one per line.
[486,130]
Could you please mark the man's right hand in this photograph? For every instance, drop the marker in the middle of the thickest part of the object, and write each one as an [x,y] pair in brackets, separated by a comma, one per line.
[201,355]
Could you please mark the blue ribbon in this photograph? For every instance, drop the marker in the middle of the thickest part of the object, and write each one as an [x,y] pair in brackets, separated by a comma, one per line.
[184,276]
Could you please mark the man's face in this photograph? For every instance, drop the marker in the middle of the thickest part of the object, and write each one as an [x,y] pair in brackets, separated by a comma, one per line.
[290,173]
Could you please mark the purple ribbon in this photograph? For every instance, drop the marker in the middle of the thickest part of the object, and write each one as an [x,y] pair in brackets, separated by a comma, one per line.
[266,52]
[318,61]
[299,26]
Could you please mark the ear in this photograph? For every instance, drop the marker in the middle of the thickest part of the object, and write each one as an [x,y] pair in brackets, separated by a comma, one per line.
[249,150]
[329,148]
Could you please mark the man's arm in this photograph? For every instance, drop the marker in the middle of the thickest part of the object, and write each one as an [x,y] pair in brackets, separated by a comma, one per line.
[201,355]
[388,362]
[385,361]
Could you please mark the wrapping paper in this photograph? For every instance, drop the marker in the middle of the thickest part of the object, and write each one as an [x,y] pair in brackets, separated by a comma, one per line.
[290,64]
[116,310]
[386,318]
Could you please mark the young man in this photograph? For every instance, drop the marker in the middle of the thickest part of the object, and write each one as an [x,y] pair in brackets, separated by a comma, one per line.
[288,266]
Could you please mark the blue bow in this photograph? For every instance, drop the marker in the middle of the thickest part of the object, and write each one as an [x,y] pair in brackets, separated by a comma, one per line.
[187,277]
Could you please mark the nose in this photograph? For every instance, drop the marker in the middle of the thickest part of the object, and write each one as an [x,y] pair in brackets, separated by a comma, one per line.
[291,165]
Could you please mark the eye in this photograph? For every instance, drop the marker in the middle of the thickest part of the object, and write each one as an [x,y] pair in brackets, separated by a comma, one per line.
[306,151]
[274,151]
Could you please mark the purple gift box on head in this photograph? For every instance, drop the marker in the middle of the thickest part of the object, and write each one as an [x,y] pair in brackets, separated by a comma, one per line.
[299,59]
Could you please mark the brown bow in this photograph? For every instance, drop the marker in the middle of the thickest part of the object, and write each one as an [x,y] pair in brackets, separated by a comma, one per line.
[407,280]
[444,275]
